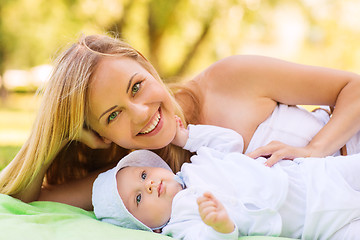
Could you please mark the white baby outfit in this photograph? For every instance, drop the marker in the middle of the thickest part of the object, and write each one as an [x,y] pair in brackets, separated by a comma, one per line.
[307,198]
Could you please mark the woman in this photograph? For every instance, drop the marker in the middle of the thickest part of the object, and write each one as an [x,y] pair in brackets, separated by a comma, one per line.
[103,91]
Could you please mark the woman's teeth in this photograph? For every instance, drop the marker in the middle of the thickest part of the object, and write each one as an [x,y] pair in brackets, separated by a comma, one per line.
[153,125]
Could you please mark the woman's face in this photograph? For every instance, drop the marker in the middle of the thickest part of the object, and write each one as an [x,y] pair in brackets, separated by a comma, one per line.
[129,107]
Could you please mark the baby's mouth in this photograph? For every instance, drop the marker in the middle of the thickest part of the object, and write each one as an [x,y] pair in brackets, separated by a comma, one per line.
[160,188]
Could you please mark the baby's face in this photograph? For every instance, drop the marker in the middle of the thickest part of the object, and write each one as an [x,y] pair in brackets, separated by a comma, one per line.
[148,193]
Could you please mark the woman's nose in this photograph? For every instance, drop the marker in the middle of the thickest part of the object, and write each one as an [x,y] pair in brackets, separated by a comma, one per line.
[149,185]
[139,112]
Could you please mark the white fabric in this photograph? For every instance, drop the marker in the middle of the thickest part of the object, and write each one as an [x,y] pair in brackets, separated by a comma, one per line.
[349,232]
[262,200]
[295,126]
[333,194]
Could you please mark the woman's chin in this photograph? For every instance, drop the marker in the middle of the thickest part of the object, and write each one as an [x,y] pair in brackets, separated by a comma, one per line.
[162,141]
[153,145]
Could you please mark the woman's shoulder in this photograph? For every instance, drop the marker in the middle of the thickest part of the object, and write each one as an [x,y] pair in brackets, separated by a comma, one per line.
[226,76]
[236,69]
[240,62]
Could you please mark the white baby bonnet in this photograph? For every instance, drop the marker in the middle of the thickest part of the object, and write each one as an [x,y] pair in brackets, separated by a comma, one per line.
[108,205]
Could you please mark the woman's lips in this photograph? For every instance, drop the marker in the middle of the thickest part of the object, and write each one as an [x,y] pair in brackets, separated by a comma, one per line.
[154,125]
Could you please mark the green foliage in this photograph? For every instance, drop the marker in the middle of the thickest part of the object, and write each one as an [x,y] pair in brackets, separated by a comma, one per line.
[182,36]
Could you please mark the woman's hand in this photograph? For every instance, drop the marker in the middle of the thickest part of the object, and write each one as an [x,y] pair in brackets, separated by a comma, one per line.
[276,151]
[92,139]
[182,134]
[214,214]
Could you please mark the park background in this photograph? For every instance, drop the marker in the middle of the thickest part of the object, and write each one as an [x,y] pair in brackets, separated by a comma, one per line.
[179,37]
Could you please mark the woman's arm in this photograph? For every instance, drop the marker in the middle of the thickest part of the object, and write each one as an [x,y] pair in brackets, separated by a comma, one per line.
[248,88]
[21,179]
[77,193]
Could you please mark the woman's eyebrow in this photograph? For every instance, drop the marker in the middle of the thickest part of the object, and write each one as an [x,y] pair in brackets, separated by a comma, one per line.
[130,80]
[113,107]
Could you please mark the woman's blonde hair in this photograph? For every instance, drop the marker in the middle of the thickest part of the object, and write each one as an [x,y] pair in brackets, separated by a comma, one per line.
[62,116]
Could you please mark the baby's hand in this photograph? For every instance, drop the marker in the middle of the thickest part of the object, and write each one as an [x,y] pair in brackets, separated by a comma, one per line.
[214,214]
[182,134]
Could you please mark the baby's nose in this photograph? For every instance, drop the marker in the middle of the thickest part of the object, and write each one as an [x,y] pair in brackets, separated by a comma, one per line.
[150,185]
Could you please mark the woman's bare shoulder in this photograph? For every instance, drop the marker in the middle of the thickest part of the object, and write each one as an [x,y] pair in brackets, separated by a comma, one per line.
[243,67]
[231,74]
[237,63]
[255,77]
[232,81]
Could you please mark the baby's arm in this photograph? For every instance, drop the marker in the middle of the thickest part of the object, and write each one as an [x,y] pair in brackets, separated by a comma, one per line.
[214,214]
[221,139]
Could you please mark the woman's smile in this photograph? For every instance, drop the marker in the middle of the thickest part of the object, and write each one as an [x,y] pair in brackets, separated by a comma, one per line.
[154,125]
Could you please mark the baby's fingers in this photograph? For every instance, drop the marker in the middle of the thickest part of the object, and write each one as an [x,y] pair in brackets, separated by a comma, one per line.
[179,123]
[204,202]
[210,197]
[207,211]
[209,218]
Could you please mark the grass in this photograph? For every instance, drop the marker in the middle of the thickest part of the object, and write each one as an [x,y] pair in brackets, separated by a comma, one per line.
[7,153]
[17,114]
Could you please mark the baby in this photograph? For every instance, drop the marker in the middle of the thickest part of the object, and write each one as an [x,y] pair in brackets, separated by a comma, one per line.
[223,194]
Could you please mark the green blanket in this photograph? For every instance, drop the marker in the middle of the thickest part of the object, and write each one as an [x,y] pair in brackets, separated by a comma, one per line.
[50,220]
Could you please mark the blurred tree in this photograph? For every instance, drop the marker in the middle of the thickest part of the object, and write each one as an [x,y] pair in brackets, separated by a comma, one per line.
[2,41]
[166,25]
[179,36]
[3,51]
[117,26]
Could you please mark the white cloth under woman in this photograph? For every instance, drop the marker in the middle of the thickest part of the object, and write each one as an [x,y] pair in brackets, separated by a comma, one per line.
[295,126]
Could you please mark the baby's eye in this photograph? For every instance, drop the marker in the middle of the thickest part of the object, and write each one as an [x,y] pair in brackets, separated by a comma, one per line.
[138,199]
[143,175]
[112,116]
[135,88]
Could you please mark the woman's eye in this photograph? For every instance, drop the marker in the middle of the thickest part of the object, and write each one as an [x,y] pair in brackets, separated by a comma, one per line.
[143,175]
[112,116]
[135,88]
[138,198]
